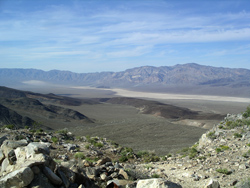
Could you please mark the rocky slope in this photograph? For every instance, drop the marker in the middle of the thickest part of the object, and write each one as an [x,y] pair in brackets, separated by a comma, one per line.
[33,158]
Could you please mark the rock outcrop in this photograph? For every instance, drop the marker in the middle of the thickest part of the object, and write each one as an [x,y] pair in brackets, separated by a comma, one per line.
[60,160]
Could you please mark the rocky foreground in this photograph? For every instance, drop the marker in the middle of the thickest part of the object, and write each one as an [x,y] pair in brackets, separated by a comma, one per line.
[33,158]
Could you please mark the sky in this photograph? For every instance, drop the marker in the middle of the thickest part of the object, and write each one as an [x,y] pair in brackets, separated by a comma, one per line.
[113,35]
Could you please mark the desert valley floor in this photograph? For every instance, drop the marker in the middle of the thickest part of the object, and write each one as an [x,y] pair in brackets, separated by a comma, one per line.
[125,124]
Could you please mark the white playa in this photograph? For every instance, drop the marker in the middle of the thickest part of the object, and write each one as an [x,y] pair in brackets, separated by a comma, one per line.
[151,95]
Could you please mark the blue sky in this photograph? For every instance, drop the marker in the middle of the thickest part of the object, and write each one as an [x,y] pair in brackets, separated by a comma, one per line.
[114,35]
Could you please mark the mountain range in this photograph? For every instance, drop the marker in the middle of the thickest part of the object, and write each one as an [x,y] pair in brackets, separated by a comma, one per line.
[189,75]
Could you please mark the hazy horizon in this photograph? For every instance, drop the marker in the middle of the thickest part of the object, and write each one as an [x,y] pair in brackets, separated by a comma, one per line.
[96,36]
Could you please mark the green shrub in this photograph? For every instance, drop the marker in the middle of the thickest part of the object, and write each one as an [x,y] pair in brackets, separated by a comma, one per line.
[148,166]
[98,144]
[248,144]
[10,126]
[54,139]
[247,154]
[222,148]
[39,130]
[155,176]
[87,146]
[123,158]
[192,153]
[223,171]
[246,114]
[79,155]
[237,135]
[221,126]
[62,131]
[218,150]
[140,154]
[211,135]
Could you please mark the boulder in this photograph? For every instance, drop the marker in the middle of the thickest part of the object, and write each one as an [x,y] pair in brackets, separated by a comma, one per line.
[9,145]
[42,181]
[157,182]
[213,184]
[52,176]
[103,161]
[36,147]
[18,178]
[123,173]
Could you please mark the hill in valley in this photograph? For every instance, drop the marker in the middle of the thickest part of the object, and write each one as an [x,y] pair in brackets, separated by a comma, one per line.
[22,108]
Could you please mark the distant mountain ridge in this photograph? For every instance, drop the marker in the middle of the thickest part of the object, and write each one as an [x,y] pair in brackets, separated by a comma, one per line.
[190,74]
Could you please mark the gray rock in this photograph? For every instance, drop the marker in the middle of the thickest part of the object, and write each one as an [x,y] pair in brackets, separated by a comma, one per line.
[103,161]
[123,173]
[18,178]
[1,156]
[35,170]
[103,176]
[52,176]
[2,139]
[213,184]
[92,171]
[243,184]
[36,147]
[157,182]
[9,145]
[65,180]
[42,181]
[4,165]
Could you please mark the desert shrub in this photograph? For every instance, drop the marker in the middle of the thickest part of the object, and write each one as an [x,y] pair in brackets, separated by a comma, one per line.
[39,130]
[87,146]
[98,144]
[62,131]
[218,150]
[246,114]
[79,155]
[211,135]
[123,158]
[155,176]
[224,171]
[148,166]
[148,156]
[247,154]
[202,158]
[10,126]
[92,160]
[128,152]
[192,153]
[237,135]
[140,154]
[222,148]
[54,139]
[248,144]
